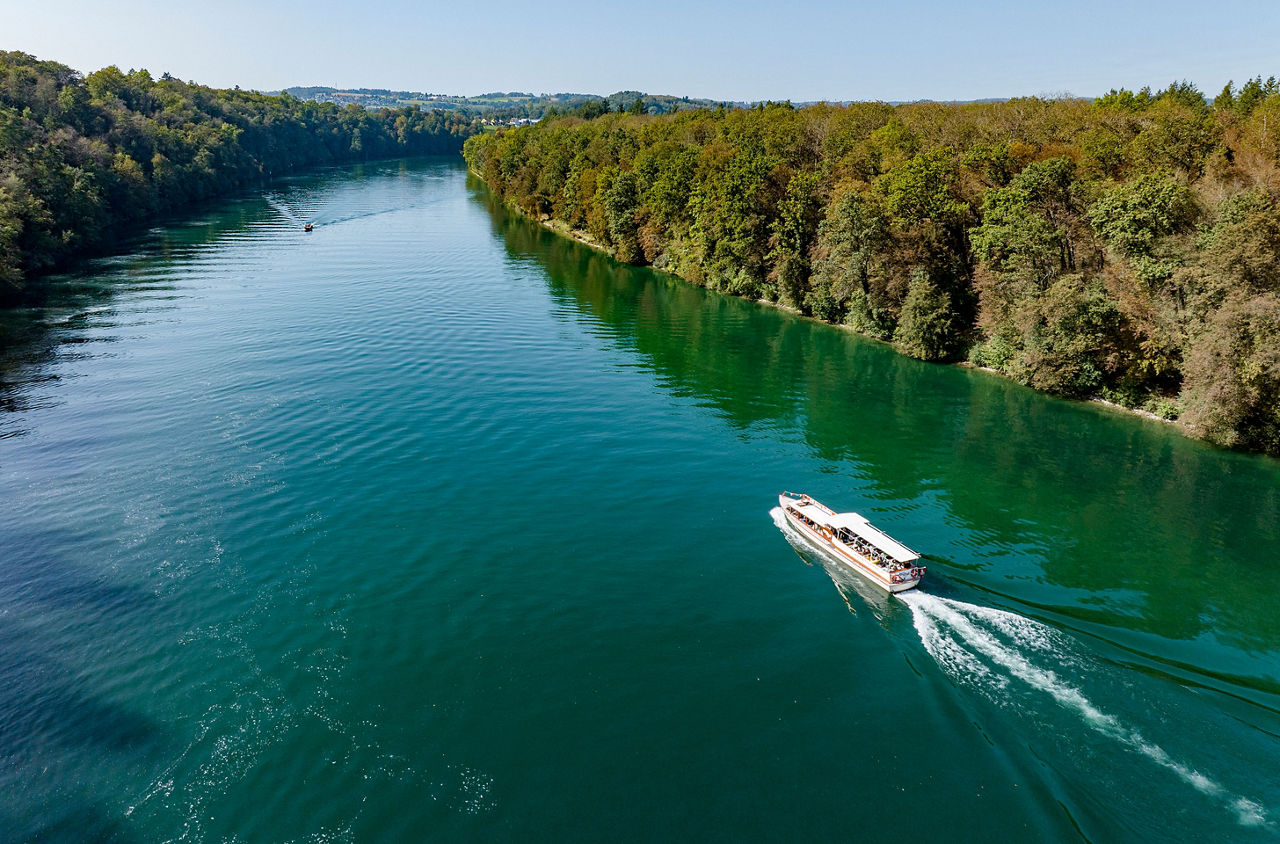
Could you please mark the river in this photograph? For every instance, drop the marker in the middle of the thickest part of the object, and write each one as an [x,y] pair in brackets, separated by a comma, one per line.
[430,523]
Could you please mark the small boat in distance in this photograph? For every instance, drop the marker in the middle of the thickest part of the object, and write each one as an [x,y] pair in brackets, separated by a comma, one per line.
[853,541]
[307,227]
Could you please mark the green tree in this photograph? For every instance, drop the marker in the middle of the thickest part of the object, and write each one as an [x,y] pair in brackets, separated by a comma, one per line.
[793,231]
[849,276]
[621,201]
[12,223]
[1232,388]
[1131,217]
[1123,99]
[1016,242]
[927,326]
[1242,250]
[729,227]
[925,188]
[1178,137]
[1069,338]
[1253,94]
[1027,233]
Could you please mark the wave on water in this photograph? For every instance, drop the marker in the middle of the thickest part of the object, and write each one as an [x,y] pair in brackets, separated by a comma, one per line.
[330,216]
[999,653]
[284,210]
[991,649]
[322,218]
[781,521]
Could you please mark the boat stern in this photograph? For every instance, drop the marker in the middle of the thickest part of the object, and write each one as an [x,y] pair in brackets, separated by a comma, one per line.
[901,581]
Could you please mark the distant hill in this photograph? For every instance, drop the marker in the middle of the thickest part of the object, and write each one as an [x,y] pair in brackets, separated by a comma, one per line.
[513,106]
[497,106]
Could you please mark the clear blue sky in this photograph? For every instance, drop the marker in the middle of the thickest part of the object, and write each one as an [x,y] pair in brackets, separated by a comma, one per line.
[743,50]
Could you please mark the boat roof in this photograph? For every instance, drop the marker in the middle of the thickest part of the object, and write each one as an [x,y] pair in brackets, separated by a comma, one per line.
[856,524]
[881,540]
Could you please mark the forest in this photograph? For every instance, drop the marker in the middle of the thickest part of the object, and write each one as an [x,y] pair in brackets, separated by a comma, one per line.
[80,155]
[1125,248]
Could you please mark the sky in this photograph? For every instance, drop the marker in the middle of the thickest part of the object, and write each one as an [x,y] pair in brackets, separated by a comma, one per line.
[892,50]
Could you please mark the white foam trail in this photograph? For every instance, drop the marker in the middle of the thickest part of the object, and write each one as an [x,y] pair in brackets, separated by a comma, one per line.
[282,208]
[781,521]
[956,634]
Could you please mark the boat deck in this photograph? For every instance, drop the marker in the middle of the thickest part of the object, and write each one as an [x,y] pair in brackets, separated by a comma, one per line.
[850,538]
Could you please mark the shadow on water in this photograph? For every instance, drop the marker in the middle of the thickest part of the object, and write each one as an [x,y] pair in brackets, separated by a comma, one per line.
[43,703]
[68,745]
[33,574]
[82,822]
[50,712]
[1114,524]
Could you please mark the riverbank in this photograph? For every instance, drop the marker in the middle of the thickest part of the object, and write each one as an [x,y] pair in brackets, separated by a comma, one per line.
[584,238]
[83,155]
[118,236]
[1075,269]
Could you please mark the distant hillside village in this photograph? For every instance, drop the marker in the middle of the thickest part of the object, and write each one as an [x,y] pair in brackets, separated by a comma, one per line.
[510,121]
[513,108]
[516,108]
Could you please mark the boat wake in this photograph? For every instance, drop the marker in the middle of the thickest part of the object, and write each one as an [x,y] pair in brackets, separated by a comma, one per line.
[1000,654]
[283,210]
[793,536]
[329,216]
[1011,660]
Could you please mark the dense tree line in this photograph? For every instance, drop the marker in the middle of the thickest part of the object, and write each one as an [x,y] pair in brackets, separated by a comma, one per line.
[1126,248]
[79,155]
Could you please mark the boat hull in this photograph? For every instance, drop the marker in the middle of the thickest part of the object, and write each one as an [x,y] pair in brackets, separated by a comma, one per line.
[850,560]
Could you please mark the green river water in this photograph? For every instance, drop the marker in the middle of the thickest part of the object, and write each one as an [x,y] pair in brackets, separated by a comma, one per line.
[431,525]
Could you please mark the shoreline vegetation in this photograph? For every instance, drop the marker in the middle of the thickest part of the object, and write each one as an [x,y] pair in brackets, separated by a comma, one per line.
[579,236]
[83,156]
[1124,249]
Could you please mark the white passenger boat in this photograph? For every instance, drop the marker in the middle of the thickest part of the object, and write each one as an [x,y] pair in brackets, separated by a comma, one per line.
[853,541]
